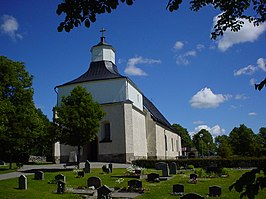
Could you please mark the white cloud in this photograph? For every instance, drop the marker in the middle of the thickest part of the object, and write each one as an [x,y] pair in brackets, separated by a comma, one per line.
[251,69]
[10,27]
[205,98]
[252,81]
[198,122]
[214,131]
[183,59]
[240,97]
[248,33]
[132,69]
[178,45]
[261,63]
[200,47]
[252,114]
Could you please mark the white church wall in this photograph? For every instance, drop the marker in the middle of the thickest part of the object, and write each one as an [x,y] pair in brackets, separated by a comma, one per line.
[171,150]
[128,121]
[139,134]
[114,115]
[150,136]
[105,91]
[135,96]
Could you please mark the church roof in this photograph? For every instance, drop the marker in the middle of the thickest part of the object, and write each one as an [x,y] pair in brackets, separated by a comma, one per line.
[99,70]
[155,113]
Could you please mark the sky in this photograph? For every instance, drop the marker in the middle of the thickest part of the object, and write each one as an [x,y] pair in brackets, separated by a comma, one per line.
[194,81]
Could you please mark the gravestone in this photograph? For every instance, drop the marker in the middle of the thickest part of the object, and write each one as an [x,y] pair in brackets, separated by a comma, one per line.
[103,192]
[153,177]
[178,189]
[61,187]
[105,169]
[72,156]
[94,181]
[110,166]
[215,191]
[22,182]
[39,175]
[60,177]
[2,163]
[172,167]
[164,167]
[134,184]
[87,168]
[81,174]
[191,196]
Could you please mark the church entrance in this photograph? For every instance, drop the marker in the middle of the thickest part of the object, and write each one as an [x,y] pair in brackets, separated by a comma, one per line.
[93,150]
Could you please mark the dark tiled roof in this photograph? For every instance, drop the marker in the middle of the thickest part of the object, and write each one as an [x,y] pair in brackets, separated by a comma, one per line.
[98,71]
[156,114]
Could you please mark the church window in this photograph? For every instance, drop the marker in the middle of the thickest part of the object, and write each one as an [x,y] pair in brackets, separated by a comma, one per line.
[106,132]
[172,139]
[165,142]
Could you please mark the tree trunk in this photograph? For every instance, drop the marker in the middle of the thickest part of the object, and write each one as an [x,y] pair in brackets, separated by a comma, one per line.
[78,158]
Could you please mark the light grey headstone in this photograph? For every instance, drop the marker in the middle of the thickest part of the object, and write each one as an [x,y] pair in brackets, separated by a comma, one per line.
[22,182]
[72,156]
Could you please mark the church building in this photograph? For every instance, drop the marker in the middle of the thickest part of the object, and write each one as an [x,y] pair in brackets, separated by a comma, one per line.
[133,128]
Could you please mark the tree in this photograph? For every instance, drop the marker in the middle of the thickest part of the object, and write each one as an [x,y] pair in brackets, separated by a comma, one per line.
[19,121]
[223,147]
[243,141]
[262,137]
[183,133]
[78,119]
[203,142]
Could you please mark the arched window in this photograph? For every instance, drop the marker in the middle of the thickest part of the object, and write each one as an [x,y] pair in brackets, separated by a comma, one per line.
[106,132]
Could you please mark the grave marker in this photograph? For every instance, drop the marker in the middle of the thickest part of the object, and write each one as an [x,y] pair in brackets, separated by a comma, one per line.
[103,192]
[39,175]
[215,191]
[22,182]
[94,181]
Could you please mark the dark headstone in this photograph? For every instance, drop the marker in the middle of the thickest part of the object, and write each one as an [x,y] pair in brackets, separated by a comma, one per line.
[103,192]
[61,187]
[39,175]
[22,182]
[215,191]
[134,184]
[2,163]
[60,177]
[164,167]
[191,196]
[87,168]
[137,171]
[172,167]
[105,169]
[153,177]
[110,166]
[81,174]
[94,181]
[178,188]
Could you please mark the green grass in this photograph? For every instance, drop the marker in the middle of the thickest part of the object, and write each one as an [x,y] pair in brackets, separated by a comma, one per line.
[5,169]
[163,189]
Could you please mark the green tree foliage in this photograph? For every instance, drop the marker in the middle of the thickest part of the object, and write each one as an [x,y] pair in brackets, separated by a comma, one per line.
[244,142]
[183,133]
[223,147]
[203,142]
[262,138]
[20,124]
[78,118]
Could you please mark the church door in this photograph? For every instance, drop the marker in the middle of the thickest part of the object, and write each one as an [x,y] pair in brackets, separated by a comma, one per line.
[93,150]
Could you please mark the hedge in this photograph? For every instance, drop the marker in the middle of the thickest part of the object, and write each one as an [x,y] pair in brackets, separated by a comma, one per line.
[238,162]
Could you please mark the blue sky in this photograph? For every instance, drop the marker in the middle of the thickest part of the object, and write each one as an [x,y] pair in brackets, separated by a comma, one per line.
[194,81]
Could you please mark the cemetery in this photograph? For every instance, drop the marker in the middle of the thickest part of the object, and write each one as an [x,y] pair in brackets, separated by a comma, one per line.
[162,181]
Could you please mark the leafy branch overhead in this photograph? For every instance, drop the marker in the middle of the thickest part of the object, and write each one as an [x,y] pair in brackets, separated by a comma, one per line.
[232,12]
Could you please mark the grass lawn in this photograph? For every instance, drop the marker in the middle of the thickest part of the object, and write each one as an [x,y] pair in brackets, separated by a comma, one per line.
[163,189]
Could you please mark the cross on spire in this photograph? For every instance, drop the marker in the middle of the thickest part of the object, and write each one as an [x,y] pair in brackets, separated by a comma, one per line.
[102,37]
